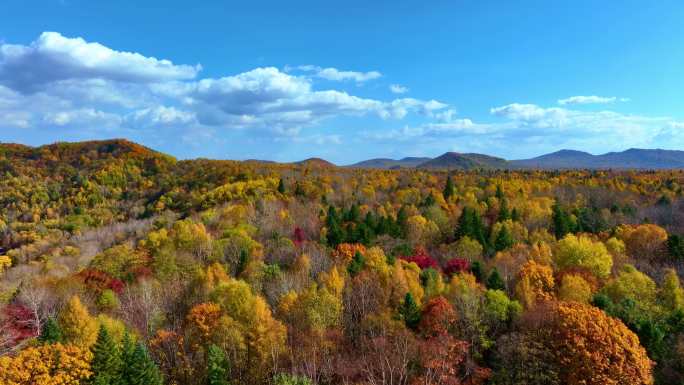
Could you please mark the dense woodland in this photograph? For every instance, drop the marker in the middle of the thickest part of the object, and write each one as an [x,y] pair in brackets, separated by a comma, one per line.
[121,265]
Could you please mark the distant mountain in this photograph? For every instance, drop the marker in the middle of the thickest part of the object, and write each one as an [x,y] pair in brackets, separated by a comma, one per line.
[315,162]
[469,161]
[633,158]
[558,159]
[387,163]
[83,154]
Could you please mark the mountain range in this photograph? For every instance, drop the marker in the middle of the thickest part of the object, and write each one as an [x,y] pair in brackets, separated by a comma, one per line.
[633,158]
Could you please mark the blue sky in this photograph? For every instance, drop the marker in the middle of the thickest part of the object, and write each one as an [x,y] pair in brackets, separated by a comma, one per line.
[345,81]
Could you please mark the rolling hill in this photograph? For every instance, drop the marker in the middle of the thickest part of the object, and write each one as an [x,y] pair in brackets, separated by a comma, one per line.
[387,163]
[469,161]
[634,158]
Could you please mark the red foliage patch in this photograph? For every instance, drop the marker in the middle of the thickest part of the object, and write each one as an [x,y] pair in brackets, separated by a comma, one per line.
[456,265]
[298,237]
[421,258]
[18,322]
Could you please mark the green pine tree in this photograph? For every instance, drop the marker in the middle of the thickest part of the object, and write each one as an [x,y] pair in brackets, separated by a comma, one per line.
[335,235]
[503,240]
[515,215]
[356,265]
[299,191]
[401,223]
[477,270]
[470,224]
[448,189]
[499,192]
[50,333]
[127,350]
[495,282]
[409,311]
[562,224]
[106,364]
[281,186]
[504,213]
[354,214]
[429,200]
[217,366]
[142,370]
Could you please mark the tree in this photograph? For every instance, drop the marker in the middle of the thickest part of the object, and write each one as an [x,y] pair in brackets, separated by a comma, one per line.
[141,369]
[77,326]
[574,288]
[671,293]
[562,223]
[335,235]
[503,240]
[409,311]
[437,318]
[675,247]
[106,364]
[635,286]
[470,225]
[590,347]
[217,366]
[281,186]
[582,251]
[448,189]
[520,359]
[50,333]
[504,213]
[291,379]
[494,281]
[46,364]
[357,263]
[535,284]
[644,242]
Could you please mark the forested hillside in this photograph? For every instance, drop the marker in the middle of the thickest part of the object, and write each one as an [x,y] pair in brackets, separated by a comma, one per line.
[122,265]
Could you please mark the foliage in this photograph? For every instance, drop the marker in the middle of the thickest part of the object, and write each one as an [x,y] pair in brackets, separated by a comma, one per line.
[582,251]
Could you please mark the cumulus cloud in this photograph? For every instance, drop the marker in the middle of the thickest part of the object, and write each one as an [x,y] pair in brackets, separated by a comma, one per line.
[545,129]
[398,89]
[271,98]
[593,99]
[58,82]
[334,74]
[160,116]
[82,118]
[53,57]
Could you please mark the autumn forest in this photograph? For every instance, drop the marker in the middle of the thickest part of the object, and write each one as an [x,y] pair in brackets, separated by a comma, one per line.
[122,265]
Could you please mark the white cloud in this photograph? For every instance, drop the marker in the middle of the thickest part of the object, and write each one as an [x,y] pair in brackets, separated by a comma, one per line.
[82,118]
[398,89]
[593,99]
[267,97]
[544,129]
[53,57]
[58,82]
[334,74]
[160,116]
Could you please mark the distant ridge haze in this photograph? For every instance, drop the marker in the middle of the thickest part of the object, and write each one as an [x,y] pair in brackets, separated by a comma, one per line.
[633,158]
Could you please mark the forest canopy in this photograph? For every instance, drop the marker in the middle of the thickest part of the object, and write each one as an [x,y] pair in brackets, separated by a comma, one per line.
[122,265]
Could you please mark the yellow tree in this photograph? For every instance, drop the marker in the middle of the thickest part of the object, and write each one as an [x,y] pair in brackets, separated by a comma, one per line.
[574,288]
[52,364]
[671,292]
[77,325]
[535,284]
[582,251]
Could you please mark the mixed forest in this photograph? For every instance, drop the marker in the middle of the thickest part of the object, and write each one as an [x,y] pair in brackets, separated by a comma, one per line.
[121,265]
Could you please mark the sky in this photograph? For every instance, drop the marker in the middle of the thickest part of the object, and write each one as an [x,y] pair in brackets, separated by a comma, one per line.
[344,81]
